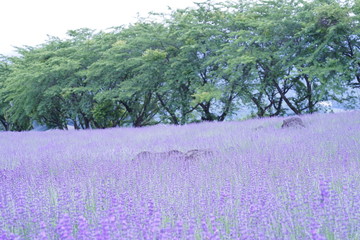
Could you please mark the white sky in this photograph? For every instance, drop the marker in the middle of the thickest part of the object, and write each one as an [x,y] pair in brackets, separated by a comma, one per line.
[28,22]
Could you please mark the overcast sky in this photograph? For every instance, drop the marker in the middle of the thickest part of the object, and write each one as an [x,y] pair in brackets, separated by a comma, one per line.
[28,22]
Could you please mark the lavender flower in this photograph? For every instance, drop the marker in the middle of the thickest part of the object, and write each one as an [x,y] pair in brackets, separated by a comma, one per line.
[314,230]
[64,228]
[83,229]
[267,184]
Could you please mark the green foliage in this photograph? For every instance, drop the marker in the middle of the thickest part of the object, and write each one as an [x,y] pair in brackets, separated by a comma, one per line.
[107,114]
[206,93]
[206,63]
[4,103]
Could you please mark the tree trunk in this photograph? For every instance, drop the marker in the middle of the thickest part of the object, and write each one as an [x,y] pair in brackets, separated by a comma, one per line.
[206,108]
[260,110]
[5,124]
[309,94]
[227,106]
[138,122]
[173,117]
[277,108]
[76,126]
[287,101]
[87,123]
[357,85]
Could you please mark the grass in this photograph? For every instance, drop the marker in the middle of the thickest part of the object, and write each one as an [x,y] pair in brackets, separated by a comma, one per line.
[260,183]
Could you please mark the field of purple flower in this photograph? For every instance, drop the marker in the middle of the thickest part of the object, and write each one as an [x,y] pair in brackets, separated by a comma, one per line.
[260,183]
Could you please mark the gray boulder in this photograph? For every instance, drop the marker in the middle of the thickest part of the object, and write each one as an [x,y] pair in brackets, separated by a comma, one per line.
[293,122]
[198,153]
[174,155]
[259,128]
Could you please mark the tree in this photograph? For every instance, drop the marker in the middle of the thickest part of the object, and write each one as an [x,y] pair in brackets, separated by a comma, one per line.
[4,105]
[48,83]
[202,64]
[128,74]
[326,62]
[262,33]
[199,65]
[288,55]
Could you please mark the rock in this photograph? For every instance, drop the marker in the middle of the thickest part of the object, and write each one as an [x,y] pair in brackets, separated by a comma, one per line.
[173,154]
[198,153]
[143,155]
[259,128]
[293,122]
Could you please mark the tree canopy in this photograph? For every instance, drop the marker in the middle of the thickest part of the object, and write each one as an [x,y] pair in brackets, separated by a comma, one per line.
[206,63]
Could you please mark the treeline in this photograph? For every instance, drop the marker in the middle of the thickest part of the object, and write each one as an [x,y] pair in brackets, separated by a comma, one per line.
[202,64]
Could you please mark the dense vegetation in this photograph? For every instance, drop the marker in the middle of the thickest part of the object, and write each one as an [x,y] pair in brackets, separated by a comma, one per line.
[190,65]
[260,183]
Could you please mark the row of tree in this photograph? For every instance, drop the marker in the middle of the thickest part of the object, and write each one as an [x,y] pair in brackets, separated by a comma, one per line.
[201,64]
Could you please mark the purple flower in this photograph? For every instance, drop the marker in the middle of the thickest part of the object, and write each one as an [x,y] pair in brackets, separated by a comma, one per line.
[314,230]
[324,191]
[42,234]
[64,228]
[83,232]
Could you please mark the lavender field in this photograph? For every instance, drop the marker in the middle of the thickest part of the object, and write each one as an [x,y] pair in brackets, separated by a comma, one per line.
[258,182]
